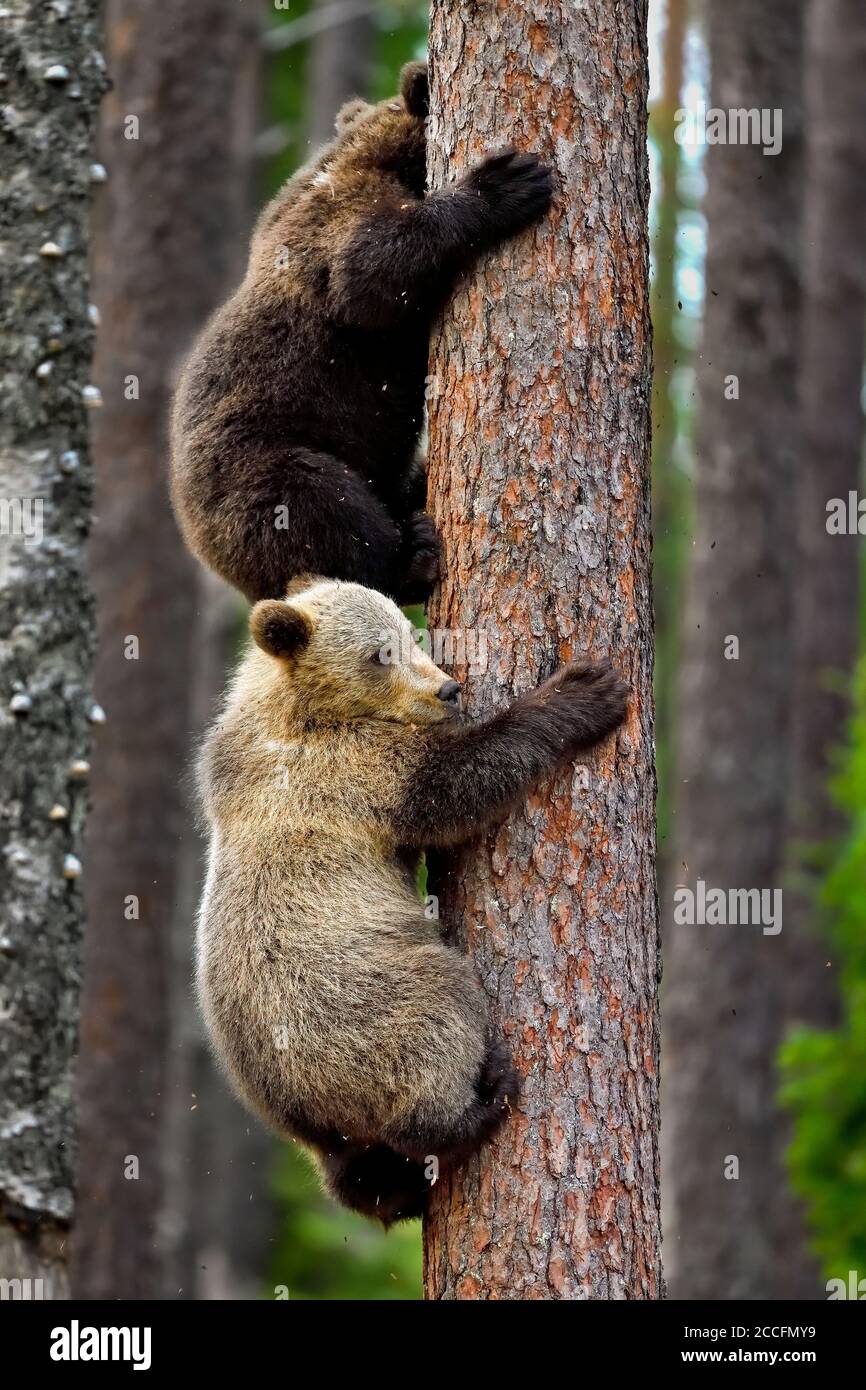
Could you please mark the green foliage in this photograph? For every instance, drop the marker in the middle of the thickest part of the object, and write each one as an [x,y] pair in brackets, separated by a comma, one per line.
[824,1073]
[285,100]
[323,1252]
[402,35]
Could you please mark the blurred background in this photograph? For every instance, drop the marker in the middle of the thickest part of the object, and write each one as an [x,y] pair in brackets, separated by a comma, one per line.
[758,267]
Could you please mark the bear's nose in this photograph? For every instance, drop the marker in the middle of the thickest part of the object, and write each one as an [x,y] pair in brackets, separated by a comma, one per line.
[449,692]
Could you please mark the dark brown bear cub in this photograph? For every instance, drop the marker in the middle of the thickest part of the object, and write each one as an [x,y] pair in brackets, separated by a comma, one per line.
[342,1015]
[297,416]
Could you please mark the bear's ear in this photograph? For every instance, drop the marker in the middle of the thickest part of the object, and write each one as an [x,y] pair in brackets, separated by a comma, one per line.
[349,113]
[415,89]
[279,628]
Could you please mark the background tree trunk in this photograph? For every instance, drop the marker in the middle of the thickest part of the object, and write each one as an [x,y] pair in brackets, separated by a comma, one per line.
[831,368]
[827,592]
[725,985]
[669,481]
[171,229]
[53,81]
[539,480]
[341,57]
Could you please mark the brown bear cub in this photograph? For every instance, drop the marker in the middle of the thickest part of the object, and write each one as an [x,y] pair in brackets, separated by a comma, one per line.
[341,1015]
[297,416]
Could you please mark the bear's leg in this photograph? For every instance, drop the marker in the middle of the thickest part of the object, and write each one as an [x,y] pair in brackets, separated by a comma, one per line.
[421,550]
[415,485]
[420,537]
[452,1138]
[306,512]
[374,1180]
[366,1177]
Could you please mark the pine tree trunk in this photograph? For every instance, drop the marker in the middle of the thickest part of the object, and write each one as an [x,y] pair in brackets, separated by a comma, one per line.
[53,81]
[172,220]
[539,479]
[725,985]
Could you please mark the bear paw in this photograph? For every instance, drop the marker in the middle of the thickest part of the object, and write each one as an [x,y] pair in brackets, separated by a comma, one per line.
[596,695]
[498,1085]
[517,187]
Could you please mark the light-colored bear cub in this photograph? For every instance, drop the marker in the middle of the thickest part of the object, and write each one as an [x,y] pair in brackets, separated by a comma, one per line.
[341,1015]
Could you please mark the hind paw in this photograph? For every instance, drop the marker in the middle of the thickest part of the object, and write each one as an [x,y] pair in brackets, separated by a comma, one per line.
[498,1084]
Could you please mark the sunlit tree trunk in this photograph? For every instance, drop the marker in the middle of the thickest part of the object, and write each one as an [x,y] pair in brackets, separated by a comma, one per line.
[539,481]
[53,81]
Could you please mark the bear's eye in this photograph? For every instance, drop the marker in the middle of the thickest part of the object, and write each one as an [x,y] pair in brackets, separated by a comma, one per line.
[378,657]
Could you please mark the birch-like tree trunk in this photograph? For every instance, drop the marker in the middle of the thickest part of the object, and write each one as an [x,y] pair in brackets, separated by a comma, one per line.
[725,985]
[539,482]
[176,136]
[53,80]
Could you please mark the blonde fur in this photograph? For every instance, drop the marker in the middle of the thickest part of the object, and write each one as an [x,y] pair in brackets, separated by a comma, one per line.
[330,996]
[339,1012]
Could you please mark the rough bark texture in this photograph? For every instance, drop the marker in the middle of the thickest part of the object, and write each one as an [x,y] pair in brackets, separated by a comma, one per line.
[172,224]
[341,56]
[725,985]
[831,367]
[539,476]
[53,78]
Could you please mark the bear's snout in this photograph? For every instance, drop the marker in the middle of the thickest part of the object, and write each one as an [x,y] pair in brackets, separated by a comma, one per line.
[450,693]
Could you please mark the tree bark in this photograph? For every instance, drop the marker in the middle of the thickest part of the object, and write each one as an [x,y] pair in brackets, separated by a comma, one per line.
[725,985]
[539,478]
[341,58]
[53,81]
[171,225]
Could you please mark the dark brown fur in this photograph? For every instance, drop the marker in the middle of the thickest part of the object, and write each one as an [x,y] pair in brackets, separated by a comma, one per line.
[298,414]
